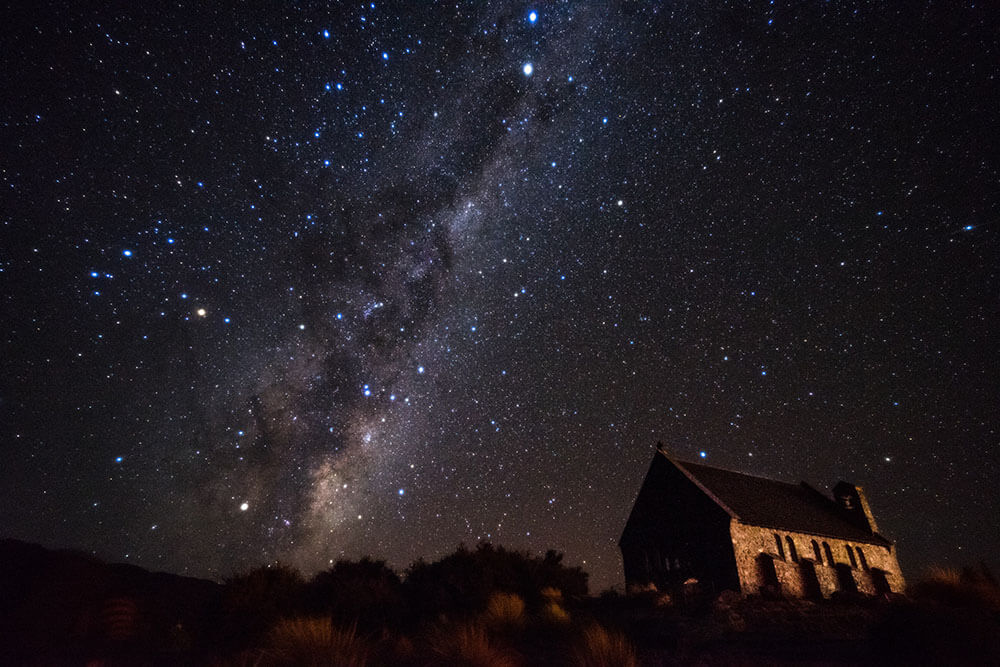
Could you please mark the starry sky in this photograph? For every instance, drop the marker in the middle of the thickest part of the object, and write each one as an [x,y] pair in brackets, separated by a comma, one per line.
[335,279]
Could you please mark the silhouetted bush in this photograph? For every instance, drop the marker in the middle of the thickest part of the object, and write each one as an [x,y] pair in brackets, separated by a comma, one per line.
[253,602]
[366,592]
[463,582]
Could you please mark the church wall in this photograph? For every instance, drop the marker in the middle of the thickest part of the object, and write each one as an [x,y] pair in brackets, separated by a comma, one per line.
[676,533]
[751,543]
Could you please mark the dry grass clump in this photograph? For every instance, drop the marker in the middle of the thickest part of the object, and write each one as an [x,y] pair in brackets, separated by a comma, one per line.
[600,647]
[314,641]
[471,645]
[951,587]
[505,610]
[552,606]
[554,613]
[943,575]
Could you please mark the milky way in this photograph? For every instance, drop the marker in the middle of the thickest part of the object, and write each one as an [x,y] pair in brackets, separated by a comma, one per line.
[333,281]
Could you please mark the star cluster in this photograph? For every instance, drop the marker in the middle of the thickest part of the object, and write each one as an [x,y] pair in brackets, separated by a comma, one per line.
[328,280]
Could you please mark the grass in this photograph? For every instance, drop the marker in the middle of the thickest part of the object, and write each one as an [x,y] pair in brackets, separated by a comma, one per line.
[314,641]
[504,610]
[600,647]
[469,644]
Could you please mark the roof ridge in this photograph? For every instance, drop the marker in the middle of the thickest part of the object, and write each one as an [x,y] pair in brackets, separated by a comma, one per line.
[744,474]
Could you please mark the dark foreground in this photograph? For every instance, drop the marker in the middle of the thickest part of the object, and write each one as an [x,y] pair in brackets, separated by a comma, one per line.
[483,607]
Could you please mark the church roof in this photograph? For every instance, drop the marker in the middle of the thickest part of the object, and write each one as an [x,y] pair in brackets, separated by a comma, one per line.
[766,502]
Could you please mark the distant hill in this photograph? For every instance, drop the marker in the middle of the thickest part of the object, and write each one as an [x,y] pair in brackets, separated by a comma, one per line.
[64,603]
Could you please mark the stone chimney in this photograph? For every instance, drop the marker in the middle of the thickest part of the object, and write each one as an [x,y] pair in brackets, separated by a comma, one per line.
[851,498]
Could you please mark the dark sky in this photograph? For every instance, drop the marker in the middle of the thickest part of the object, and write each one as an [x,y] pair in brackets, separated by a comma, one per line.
[345,279]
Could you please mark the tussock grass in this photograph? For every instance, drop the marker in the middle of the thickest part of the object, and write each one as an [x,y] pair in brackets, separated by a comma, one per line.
[314,641]
[554,613]
[469,644]
[955,588]
[599,647]
[505,610]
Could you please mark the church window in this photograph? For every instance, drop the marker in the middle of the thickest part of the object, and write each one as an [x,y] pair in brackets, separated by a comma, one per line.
[792,553]
[816,553]
[850,555]
[829,554]
[781,547]
[861,557]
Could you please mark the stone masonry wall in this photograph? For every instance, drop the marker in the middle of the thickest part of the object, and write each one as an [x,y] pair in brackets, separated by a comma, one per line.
[749,542]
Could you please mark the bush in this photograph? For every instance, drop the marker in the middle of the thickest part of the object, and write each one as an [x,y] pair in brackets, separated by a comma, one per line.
[253,602]
[366,592]
[464,581]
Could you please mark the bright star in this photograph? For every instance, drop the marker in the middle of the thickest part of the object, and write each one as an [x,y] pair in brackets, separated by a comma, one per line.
[528,69]
[244,507]
[200,312]
[533,16]
[127,253]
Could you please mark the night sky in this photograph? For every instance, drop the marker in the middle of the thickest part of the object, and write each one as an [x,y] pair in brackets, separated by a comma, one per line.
[338,280]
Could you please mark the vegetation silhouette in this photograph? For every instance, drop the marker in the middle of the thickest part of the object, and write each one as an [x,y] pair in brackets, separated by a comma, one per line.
[482,606]
[366,593]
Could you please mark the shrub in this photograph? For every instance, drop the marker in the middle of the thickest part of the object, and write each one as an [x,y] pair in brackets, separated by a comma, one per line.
[602,648]
[366,592]
[254,601]
[464,581]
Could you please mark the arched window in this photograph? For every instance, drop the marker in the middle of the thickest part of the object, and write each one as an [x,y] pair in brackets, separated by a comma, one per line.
[791,549]
[861,557]
[829,554]
[781,547]
[816,553]
[850,555]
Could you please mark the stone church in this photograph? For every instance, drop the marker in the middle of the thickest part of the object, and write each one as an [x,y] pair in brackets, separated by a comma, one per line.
[731,531]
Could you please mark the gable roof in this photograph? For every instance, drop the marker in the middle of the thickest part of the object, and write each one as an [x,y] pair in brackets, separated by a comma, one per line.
[769,503]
